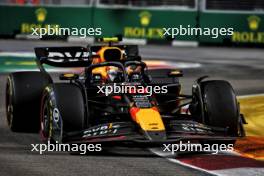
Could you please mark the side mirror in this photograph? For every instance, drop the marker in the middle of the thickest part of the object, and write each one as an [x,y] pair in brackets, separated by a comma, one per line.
[175,73]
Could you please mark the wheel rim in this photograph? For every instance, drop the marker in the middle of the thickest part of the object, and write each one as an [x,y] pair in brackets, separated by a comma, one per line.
[45,116]
[9,104]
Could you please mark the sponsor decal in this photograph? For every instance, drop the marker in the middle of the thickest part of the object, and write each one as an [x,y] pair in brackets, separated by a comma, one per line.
[40,16]
[56,115]
[101,130]
[254,35]
[194,127]
[253,22]
[72,57]
[145,18]
[143,30]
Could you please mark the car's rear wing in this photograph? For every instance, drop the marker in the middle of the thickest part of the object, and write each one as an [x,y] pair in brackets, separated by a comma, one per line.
[131,51]
[63,56]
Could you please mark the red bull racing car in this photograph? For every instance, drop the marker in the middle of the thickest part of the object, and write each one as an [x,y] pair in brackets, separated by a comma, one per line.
[85,108]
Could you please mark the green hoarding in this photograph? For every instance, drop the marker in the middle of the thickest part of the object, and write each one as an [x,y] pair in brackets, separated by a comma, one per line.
[248,27]
[134,22]
[20,19]
[131,23]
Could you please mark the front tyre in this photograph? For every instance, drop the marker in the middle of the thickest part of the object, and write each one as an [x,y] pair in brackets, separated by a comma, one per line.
[62,111]
[220,105]
[221,108]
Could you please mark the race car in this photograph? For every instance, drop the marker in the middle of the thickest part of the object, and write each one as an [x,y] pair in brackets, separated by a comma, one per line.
[83,108]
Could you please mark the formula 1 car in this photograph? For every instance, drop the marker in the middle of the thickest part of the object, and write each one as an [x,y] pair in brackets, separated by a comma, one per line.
[76,108]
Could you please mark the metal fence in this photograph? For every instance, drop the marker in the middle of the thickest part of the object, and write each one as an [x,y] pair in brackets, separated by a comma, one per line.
[235,5]
[181,4]
[147,3]
[218,5]
[47,2]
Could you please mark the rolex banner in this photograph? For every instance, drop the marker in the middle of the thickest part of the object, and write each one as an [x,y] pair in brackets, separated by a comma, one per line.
[248,27]
[21,19]
[134,23]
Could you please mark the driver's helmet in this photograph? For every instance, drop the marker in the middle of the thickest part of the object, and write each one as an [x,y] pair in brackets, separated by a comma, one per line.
[107,53]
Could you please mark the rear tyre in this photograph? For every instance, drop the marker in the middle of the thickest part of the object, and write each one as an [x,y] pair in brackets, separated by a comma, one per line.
[220,107]
[23,95]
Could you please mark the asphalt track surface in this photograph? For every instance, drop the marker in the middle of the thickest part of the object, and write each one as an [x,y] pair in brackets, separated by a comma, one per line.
[243,68]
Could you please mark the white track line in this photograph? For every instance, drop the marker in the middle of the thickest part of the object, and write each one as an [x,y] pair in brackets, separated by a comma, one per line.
[162,154]
[245,171]
[251,95]
[18,54]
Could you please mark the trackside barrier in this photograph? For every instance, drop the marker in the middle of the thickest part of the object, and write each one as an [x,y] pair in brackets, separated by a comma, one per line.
[136,25]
